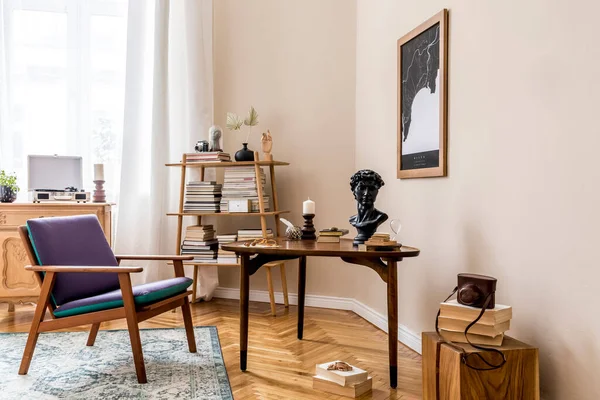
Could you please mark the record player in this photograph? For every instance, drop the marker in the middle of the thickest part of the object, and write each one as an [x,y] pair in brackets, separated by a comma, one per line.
[56,178]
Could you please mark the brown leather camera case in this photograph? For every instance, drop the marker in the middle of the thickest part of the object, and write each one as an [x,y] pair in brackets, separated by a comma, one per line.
[473,290]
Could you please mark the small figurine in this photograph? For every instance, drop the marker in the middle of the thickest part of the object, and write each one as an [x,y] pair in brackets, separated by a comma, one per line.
[365,185]
[214,135]
[291,232]
[267,145]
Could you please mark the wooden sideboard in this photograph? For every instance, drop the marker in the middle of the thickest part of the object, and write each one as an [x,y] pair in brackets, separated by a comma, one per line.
[16,284]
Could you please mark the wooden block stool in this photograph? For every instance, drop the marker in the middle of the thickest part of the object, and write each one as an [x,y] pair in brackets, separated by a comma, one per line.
[518,379]
[269,266]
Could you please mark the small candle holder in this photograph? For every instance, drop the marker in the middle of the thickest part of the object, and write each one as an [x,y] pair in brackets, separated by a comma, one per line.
[308,230]
[99,194]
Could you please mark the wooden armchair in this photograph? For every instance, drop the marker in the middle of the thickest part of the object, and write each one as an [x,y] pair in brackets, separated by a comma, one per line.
[82,283]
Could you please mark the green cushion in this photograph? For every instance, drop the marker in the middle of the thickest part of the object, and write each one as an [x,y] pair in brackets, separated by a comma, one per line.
[143,295]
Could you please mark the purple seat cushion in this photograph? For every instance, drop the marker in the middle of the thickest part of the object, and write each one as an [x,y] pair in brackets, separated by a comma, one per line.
[76,240]
[147,293]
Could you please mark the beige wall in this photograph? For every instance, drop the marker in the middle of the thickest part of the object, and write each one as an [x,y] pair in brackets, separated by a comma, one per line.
[521,201]
[295,62]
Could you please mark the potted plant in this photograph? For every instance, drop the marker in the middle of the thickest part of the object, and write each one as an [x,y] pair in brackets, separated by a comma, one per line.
[235,123]
[8,187]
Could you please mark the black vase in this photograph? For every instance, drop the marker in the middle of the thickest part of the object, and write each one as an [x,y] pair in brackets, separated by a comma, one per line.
[244,154]
[7,194]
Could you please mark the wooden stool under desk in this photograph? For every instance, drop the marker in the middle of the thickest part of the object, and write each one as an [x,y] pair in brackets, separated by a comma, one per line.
[270,265]
[518,379]
[281,266]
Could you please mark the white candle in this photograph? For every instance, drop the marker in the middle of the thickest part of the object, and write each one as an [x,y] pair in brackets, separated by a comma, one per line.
[308,207]
[98,172]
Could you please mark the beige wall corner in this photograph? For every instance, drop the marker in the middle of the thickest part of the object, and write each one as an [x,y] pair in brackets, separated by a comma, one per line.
[295,63]
[521,199]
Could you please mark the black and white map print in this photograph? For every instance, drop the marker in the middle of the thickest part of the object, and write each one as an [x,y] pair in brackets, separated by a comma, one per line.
[420,106]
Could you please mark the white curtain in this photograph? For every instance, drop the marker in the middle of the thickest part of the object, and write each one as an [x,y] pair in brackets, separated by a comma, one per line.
[168,107]
[62,72]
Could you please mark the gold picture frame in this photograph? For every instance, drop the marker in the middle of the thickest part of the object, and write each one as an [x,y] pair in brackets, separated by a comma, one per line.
[419,53]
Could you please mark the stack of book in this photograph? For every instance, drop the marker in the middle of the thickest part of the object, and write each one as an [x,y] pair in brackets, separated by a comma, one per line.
[489,330]
[202,197]
[224,256]
[332,235]
[239,183]
[207,156]
[379,241]
[251,234]
[352,383]
[200,242]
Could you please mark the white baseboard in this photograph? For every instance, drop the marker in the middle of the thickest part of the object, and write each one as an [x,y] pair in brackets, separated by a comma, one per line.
[405,335]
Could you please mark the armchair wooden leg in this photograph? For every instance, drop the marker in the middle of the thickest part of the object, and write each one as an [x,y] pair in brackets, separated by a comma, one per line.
[286,302]
[189,325]
[93,333]
[132,326]
[38,316]
[271,292]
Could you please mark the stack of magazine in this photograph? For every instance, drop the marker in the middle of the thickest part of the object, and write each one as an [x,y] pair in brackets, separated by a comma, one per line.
[224,256]
[200,242]
[239,183]
[202,197]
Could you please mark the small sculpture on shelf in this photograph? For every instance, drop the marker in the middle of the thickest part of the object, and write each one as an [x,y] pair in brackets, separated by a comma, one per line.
[214,136]
[365,185]
[267,145]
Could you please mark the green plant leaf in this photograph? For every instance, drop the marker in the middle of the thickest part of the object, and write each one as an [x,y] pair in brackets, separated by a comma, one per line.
[234,122]
[9,180]
[252,118]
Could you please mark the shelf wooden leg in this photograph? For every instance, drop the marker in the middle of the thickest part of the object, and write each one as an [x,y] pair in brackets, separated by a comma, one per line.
[195,283]
[271,291]
[274,199]
[286,301]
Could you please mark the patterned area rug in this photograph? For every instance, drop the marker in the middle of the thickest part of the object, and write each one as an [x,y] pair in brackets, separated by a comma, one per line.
[63,367]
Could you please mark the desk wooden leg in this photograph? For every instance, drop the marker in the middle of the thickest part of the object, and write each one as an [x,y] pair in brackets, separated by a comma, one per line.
[392,304]
[301,291]
[244,299]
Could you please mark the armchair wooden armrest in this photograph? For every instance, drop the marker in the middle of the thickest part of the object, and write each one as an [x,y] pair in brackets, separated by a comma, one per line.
[152,257]
[79,268]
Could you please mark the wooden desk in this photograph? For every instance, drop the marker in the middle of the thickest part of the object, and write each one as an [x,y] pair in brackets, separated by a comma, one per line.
[301,249]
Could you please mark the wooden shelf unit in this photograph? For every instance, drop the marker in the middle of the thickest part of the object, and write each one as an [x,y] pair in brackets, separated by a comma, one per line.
[262,213]
[233,214]
[222,164]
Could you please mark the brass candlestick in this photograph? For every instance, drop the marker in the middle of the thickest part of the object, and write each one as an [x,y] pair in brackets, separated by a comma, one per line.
[308,230]
[99,193]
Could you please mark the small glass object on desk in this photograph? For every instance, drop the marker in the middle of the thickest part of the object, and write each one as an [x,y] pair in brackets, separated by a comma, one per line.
[395,226]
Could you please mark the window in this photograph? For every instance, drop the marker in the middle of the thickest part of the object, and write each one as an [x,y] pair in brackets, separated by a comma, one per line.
[64,69]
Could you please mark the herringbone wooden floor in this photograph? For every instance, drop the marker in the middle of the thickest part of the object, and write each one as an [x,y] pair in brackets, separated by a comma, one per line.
[279,365]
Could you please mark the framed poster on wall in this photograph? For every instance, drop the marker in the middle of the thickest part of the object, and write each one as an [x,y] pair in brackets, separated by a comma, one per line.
[422,99]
